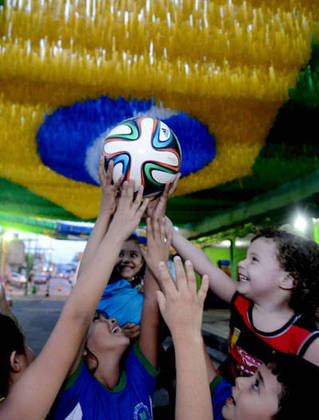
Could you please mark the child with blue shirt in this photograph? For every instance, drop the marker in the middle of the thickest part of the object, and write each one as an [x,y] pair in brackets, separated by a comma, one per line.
[101,384]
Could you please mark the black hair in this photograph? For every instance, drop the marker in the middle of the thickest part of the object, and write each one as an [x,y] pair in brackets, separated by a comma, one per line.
[299,380]
[299,257]
[12,340]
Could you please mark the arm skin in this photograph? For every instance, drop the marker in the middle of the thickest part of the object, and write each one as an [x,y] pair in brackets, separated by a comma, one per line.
[312,353]
[158,250]
[222,285]
[107,208]
[32,396]
[182,309]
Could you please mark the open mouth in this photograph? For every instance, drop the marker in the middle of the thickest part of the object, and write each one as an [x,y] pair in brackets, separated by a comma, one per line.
[230,401]
[242,277]
[116,330]
[124,267]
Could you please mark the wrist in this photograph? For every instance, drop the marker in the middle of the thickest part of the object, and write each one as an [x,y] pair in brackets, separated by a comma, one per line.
[187,336]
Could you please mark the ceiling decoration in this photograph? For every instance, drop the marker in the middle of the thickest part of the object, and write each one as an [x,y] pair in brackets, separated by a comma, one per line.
[222,73]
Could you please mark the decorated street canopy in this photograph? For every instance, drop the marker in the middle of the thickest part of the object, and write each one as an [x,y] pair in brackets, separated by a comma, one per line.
[237,81]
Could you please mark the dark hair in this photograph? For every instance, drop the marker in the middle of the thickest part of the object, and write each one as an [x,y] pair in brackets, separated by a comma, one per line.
[12,339]
[299,257]
[299,380]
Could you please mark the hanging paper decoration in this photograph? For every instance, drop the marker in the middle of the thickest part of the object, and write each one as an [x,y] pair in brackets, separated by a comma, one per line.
[218,70]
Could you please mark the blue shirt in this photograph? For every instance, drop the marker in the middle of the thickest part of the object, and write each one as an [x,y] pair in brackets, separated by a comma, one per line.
[220,391]
[84,397]
[123,302]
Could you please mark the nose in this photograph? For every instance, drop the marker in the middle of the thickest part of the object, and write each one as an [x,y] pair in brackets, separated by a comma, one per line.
[240,382]
[242,263]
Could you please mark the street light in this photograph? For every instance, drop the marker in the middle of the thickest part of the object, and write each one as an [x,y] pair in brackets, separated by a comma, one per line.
[301,223]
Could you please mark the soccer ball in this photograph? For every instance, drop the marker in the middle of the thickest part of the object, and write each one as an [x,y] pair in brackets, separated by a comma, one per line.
[144,149]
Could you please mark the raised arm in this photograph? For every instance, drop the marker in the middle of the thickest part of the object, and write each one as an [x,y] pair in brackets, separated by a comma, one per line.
[222,285]
[107,208]
[158,247]
[32,396]
[182,309]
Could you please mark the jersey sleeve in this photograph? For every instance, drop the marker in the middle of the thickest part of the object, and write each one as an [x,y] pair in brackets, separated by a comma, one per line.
[220,391]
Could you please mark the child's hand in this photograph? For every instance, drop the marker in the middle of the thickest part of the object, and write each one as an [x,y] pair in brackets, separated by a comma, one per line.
[159,204]
[110,192]
[158,244]
[180,305]
[128,213]
[169,228]
[131,330]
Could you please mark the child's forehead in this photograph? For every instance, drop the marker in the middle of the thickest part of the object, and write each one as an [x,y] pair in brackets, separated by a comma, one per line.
[269,380]
[262,244]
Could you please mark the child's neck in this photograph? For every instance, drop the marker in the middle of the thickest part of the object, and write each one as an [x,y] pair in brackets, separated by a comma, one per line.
[108,371]
[270,317]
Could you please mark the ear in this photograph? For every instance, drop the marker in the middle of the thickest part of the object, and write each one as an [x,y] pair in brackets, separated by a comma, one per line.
[15,362]
[287,282]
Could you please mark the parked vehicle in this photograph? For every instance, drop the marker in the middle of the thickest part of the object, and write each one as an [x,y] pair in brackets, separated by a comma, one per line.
[40,278]
[16,279]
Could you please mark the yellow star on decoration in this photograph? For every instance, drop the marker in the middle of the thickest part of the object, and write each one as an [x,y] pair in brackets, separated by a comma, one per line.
[229,64]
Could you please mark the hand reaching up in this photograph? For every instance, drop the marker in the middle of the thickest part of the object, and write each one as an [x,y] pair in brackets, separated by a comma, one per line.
[128,212]
[158,244]
[110,192]
[158,205]
[180,304]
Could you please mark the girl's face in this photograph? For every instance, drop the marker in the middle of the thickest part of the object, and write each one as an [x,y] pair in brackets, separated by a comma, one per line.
[260,274]
[106,334]
[255,397]
[130,260]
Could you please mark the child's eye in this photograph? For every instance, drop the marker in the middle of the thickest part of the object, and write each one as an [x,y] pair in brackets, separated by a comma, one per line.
[133,254]
[256,385]
[121,254]
[254,258]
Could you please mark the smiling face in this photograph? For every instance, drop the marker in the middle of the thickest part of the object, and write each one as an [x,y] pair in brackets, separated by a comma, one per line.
[255,397]
[260,274]
[106,334]
[130,260]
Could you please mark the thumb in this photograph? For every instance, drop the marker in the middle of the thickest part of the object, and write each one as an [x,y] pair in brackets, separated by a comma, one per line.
[143,251]
[161,300]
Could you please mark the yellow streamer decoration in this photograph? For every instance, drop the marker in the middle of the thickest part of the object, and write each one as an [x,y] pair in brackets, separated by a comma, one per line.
[228,63]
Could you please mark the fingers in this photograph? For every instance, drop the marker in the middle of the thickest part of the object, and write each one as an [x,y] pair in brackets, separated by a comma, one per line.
[165,279]
[161,300]
[139,196]
[102,176]
[109,173]
[203,288]
[173,186]
[168,233]
[143,251]
[191,277]
[180,273]
[118,182]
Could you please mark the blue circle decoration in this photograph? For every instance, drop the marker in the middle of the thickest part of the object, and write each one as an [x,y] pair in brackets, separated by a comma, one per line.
[69,139]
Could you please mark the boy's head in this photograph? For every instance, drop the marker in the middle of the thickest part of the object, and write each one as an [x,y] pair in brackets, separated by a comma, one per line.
[283,390]
[299,257]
